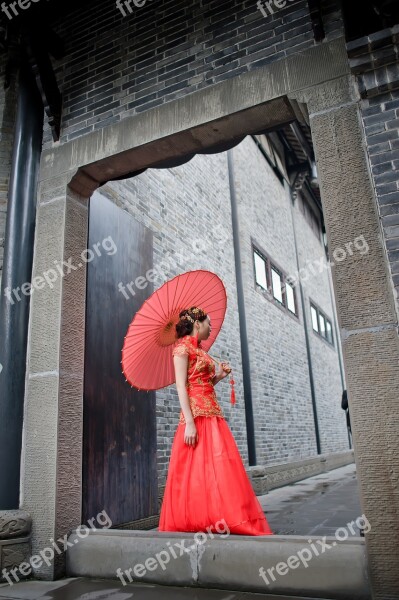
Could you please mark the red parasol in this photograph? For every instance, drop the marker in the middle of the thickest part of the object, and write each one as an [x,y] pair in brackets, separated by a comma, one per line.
[147,361]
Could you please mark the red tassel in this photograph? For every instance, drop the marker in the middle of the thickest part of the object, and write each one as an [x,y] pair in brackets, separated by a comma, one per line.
[233,393]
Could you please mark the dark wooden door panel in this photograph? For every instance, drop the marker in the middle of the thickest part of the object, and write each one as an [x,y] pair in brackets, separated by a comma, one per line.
[119,441]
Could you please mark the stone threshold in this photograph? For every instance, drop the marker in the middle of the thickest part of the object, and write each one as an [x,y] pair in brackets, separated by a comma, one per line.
[261,564]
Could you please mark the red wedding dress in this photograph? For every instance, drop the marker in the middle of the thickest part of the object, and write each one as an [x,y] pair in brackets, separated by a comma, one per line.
[207,483]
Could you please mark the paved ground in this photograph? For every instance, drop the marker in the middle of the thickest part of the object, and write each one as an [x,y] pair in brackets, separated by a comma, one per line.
[97,589]
[315,506]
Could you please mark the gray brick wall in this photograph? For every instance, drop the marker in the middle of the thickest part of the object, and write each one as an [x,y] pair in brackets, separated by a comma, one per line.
[325,358]
[188,210]
[117,66]
[279,369]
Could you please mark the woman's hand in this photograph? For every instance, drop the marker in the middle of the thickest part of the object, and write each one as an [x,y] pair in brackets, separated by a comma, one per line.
[223,371]
[190,434]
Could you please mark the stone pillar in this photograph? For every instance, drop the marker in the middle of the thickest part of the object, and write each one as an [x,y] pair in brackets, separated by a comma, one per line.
[367,318]
[53,421]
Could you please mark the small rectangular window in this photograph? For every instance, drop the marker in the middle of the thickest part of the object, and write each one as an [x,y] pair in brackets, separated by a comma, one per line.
[315,321]
[289,291]
[273,281]
[322,326]
[329,332]
[260,271]
[276,283]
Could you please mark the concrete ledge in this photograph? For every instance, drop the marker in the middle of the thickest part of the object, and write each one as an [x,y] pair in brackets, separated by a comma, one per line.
[230,563]
[265,479]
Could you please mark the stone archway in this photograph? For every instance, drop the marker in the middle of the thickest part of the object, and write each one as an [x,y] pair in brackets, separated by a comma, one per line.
[318,78]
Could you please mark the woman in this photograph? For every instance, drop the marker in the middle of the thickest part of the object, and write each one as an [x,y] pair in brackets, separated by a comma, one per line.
[206,482]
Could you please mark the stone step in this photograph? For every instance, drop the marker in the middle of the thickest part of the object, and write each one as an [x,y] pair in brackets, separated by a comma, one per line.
[301,566]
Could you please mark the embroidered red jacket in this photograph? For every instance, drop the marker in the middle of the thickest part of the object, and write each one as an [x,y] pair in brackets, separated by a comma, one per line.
[201,370]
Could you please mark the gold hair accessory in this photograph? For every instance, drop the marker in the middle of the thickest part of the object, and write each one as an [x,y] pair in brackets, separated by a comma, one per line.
[187,318]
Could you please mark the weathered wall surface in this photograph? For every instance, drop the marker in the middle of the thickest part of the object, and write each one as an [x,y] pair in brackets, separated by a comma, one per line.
[188,210]
[116,66]
[315,276]
[7,118]
[279,367]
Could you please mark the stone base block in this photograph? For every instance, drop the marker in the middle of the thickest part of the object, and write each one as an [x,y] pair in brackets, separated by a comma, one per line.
[336,571]
[15,529]
[12,554]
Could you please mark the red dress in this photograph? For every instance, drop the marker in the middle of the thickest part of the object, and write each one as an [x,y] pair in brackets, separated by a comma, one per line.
[207,484]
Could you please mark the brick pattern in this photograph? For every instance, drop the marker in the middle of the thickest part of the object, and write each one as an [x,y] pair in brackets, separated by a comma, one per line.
[279,369]
[118,66]
[325,358]
[179,205]
[188,210]
[374,60]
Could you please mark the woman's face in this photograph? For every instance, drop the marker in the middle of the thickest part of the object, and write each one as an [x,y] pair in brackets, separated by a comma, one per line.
[204,329]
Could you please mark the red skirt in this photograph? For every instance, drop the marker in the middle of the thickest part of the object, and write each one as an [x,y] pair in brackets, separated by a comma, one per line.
[208,486]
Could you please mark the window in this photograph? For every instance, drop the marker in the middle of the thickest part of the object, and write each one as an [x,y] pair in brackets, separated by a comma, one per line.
[276,283]
[290,295]
[321,324]
[260,271]
[329,332]
[272,281]
[315,321]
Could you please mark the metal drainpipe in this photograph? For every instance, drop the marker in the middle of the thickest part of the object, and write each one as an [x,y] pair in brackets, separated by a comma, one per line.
[305,326]
[17,269]
[249,416]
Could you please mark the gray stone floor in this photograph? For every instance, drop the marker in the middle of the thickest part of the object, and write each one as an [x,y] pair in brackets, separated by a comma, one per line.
[97,589]
[315,506]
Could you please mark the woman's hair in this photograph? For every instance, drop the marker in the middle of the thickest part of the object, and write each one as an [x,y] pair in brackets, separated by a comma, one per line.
[187,317]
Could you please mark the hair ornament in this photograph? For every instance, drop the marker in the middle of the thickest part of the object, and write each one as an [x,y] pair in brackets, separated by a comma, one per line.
[187,318]
[197,312]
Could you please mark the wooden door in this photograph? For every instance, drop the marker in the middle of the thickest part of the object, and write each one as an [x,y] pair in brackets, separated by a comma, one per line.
[119,439]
